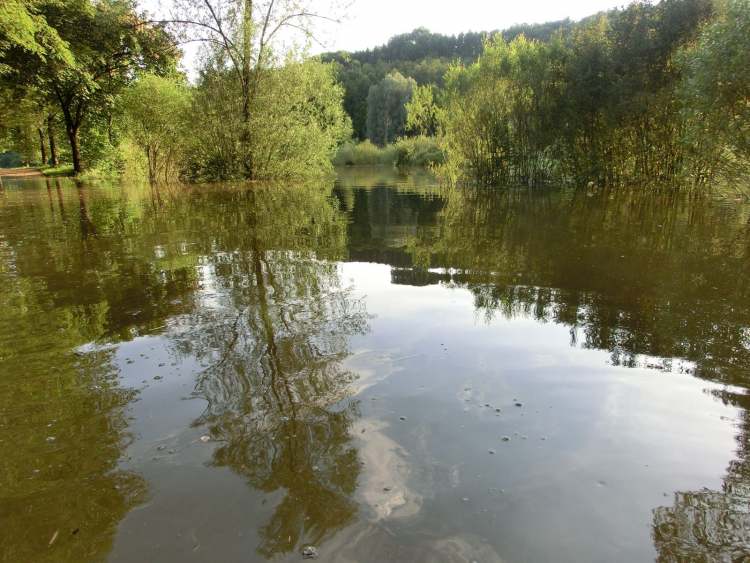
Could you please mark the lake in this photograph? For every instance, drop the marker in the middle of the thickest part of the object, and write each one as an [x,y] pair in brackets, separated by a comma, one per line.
[376,367]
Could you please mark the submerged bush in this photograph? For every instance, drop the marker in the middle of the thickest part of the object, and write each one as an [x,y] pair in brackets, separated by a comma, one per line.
[365,154]
[407,151]
[157,110]
[418,151]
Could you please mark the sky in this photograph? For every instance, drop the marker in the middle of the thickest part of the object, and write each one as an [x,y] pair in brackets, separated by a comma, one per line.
[369,23]
[373,22]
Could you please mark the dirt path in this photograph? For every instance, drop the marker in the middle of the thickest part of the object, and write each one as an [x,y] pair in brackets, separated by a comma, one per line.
[20,173]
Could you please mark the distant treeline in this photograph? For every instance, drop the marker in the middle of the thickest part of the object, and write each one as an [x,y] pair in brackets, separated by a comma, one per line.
[656,92]
[421,55]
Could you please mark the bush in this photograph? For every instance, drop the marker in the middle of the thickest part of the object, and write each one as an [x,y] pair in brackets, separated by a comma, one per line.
[418,151]
[365,153]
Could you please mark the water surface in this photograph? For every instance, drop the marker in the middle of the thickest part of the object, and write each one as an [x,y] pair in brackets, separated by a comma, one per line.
[379,368]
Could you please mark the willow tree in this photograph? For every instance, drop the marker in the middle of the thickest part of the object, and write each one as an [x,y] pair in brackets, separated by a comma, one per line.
[241,35]
[499,112]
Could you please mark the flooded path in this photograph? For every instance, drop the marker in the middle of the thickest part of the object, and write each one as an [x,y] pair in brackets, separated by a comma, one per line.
[378,368]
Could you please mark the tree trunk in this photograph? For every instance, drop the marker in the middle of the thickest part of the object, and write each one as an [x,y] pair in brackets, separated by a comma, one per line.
[73,119]
[151,158]
[52,145]
[42,146]
[247,52]
[75,149]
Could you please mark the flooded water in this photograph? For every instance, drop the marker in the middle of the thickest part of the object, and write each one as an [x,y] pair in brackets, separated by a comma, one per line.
[379,368]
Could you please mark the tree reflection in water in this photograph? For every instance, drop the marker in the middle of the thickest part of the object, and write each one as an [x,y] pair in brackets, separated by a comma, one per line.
[708,526]
[649,277]
[273,336]
[63,412]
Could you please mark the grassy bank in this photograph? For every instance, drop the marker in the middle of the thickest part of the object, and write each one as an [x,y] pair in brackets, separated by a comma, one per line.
[57,171]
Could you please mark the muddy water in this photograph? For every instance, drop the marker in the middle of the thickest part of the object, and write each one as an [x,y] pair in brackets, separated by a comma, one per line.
[378,368]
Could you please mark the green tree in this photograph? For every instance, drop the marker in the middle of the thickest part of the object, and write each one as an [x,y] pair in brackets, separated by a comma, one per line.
[23,27]
[156,112]
[715,89]
[297,123]
[499,112]
[597,102]
[422,113]
[109,43]
[242,35]
[386,108]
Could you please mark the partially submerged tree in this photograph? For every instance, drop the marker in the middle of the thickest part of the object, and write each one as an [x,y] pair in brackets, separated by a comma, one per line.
[157,111]
[241,35]
[296,124]
[422,112]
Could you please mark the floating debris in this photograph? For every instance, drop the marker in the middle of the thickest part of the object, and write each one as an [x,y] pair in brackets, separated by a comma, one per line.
[205,439]
[492,452]
[505,438]
[309,552]
[519,404]
[158,377]
[402,418]
[54,537]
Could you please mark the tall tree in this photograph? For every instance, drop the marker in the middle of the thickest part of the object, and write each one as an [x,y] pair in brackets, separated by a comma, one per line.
[243,32]
[715,89]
